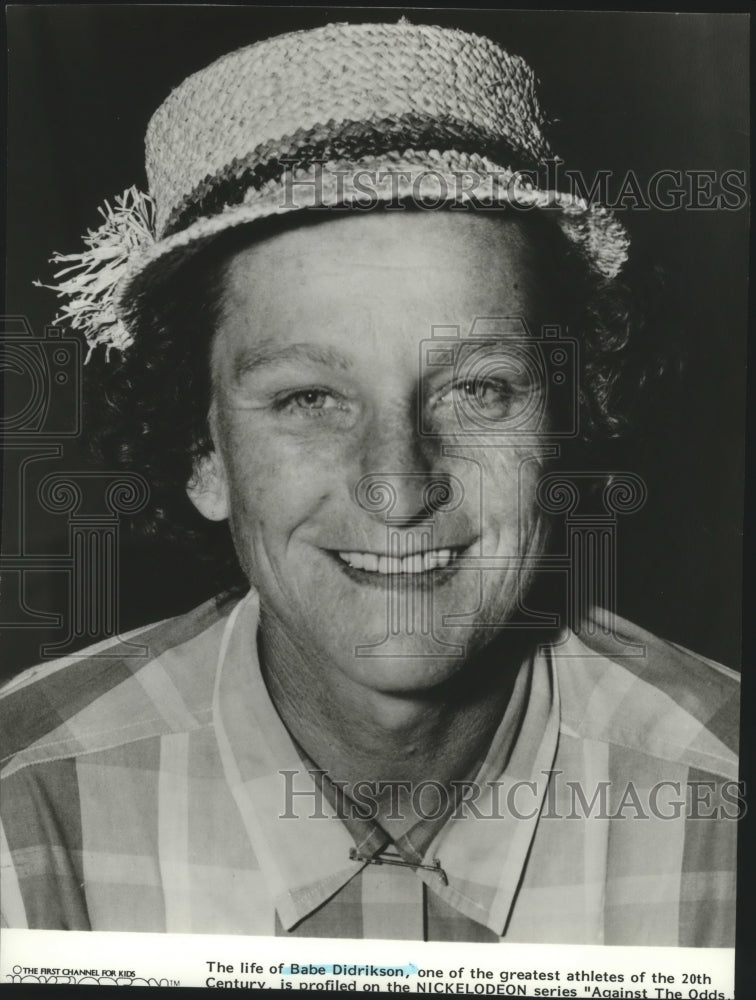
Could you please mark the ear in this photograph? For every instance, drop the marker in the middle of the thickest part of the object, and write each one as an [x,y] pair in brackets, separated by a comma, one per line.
[208,487]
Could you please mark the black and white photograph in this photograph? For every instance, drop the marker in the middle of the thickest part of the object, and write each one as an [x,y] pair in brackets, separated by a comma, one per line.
[374,456]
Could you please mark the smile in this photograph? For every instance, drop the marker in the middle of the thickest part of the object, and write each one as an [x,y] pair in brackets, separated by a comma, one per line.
[419,562]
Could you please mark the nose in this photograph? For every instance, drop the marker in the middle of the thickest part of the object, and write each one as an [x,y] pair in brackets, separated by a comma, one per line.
[401,483]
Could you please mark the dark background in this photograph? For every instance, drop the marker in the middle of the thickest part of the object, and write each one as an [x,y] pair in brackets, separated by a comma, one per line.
[640,91]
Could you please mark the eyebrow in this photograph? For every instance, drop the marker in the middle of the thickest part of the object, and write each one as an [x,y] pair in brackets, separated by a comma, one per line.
[269,354]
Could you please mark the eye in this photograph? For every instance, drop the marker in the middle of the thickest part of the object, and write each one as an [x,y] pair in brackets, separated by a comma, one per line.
[482,391]
[474,401]
[491,396]
[312,401]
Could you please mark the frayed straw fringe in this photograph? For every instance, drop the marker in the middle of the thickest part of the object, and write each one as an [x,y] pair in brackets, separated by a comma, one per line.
[90,277]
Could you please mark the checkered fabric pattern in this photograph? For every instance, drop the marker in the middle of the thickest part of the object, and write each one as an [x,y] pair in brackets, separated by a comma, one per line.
[144,785]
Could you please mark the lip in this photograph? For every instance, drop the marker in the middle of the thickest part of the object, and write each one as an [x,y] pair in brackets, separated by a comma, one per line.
[435,576]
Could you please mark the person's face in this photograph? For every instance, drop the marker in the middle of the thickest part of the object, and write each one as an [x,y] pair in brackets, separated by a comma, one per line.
[322,376]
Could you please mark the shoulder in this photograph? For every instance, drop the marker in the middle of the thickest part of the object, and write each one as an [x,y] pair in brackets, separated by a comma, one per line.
[152,681]
[623,685]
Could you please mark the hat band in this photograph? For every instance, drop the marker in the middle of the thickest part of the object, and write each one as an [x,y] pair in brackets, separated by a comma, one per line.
[350,141]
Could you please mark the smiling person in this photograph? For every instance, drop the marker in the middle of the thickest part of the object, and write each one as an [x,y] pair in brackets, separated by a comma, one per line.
[328,353]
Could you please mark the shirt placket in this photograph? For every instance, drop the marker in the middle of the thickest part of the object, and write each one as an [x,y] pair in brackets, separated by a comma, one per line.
[393,903]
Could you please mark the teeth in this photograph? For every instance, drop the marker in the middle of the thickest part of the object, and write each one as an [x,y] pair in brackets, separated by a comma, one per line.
[416,563]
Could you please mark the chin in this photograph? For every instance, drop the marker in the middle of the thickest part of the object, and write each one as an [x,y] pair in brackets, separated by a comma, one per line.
[404,673]
[411,662]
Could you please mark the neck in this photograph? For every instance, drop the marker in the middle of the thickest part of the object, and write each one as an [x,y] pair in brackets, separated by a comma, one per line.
[358,733]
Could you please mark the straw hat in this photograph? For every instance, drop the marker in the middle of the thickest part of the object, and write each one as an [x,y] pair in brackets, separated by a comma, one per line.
[317,119]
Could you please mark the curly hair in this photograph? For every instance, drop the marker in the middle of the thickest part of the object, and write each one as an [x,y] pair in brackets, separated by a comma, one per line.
[149,413]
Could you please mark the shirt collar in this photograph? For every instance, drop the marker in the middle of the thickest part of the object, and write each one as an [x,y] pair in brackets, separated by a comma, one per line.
[304,848]
[409,838]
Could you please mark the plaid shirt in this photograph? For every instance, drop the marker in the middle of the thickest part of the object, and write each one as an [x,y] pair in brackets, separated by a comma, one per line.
[144,784]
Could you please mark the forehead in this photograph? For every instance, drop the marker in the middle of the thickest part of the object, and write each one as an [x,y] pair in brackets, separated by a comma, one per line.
[393,275]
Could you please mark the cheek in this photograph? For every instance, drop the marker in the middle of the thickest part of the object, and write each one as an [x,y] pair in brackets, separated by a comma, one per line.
[273,482]
[504,485]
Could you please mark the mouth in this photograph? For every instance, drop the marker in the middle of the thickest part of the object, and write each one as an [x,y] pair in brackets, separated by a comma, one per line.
[418,562]
[379,569]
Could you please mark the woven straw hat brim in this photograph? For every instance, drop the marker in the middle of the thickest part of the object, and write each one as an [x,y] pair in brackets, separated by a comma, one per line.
[430,180]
